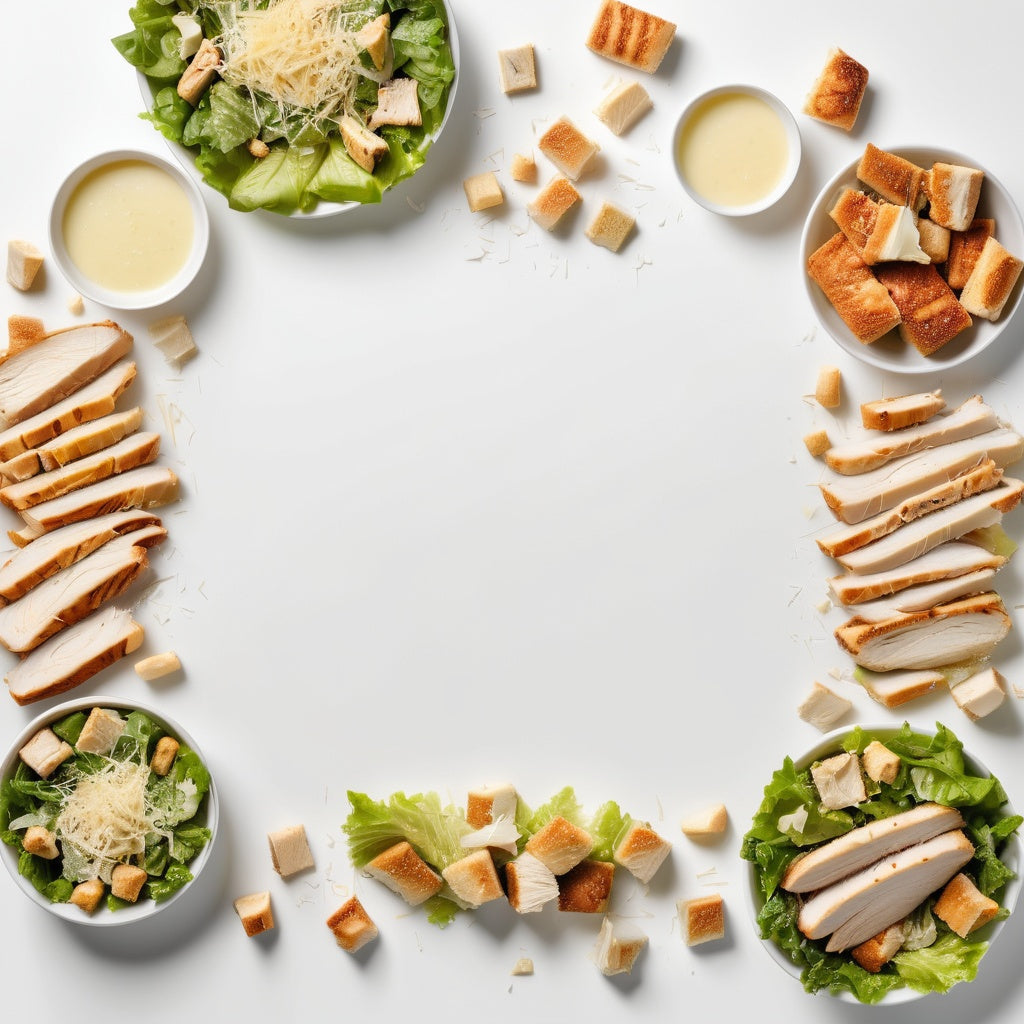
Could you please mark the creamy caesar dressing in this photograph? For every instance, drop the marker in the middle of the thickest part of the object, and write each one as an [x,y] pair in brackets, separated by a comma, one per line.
[733,150]
[128,226]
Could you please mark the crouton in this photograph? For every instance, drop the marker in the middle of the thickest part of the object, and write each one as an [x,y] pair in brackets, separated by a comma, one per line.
[817,442]
[963,907]
[164,753]
[404,872]
[641,851]
[524,168]
[630,35]
[45,752]
[255,913]
[586,888]
[353,928]
[828,387]
[126,882]
[518,67]
[981,694]
[24,261]
[474,879]
[553,202]
[711,821]
[619,944]
[87,895]
[523,966]
[40,842]
[610,227]
[838,91]
[702,918]
[876,952]
[560,845]
[101,731]
[624,106]
[289,850]
[567,148]
[483,191]
[880,764]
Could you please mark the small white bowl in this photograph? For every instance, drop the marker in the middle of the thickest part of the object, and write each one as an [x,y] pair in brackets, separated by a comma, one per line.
[118,299]
[209,816]
[832,743]
[891,352]
[792,144]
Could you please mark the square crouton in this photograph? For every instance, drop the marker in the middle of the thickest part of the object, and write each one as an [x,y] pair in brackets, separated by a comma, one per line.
[352,926]
[164,753]
[631,36]
[702,918]
[610,227]
[981,694]
[839,781]
[567,148]
[522,967]
[45,752]
[991,281]
[518,68]
[289,850]
[404,872]
[837,93]
[524,168]
[474,879]
[641,851]
[40,842]
[934,239]
[483,191]
[486,805]
[619,944]
[817,442]
[560,845]
[706,823]
[822,708]
[101,731]
[553,202]
[877,951]
[87,895]
[255,912]
[530,885]
[624,106]
[586,888]
[126,881]
[963,907]
[963,249]
[24,261]
[880,764]
[828,389]
[953,192]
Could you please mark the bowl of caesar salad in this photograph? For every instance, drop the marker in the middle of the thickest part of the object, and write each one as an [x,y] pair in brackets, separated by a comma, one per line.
[304,108]
[883,863]
[108,812]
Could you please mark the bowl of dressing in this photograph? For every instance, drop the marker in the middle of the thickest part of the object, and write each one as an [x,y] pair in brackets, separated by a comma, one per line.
[736,150]
[129,229]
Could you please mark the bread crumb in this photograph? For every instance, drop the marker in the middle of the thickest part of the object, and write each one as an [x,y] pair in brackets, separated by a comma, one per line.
[483,191]
[817,442]
[827,391]
[524,168]
[24,261]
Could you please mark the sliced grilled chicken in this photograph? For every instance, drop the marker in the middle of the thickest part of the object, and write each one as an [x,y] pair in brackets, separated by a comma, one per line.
[947,561]
[89,403]
[855,498]
[922,535]
[902,411]
[971,418]
[43,558]
[849,538]
[75,592]
[863,846]
[894,689]
[74,655]
[926,595]
[43,374]
[89,438]
[21,467]
[957,631]
[863,904]
[145,487]
[128,453]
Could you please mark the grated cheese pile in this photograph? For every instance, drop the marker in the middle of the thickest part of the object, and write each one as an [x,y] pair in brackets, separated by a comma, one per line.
[299,53]
[104,820]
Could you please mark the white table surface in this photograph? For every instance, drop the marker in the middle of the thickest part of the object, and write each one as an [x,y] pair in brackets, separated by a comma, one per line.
[465,502]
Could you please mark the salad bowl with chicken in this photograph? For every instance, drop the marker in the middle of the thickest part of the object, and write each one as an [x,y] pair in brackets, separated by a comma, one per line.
[882,863]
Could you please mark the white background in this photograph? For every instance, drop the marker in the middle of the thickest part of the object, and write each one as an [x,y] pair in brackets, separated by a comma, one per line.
[466,502]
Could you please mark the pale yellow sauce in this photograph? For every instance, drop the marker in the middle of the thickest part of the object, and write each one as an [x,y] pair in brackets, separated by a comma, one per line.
[733,151]
[128,226]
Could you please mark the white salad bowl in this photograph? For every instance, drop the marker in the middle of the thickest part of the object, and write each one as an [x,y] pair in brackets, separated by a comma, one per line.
[208,816]
[123,299]
[890,352]
[831,743]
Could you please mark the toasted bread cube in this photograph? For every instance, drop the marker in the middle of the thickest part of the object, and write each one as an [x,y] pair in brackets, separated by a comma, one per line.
[156,666]
[641,851]
[624,106]
[711,821]
[24,261]
[352,926]
[529,884]
[101,731]
[523,966]
[981,694]
[567,148]
[953,192]
[880,764]
[828,390]
[838,91]
[934,239]
[474,879]
[610,227]
[255,913]
[553,201]
[404,872]
[991,281]
[817,442]
[289,850]
[963,907]
[126,882]
[484,806]
[560,845]
[839,781]
[518,69]
[164,753]
[87,895]
[45,752]
[586,888]
[702,918]
[822,708]
[524,168]
[40,842]
[893,177]
[483,191]
[373,37]
[876,952]
[964,248]
[630,36]
[619,944]
[930,314]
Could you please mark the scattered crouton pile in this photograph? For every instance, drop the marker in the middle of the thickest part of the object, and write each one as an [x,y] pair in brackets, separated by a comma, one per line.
[920,496]
[912,254]
[80,474]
